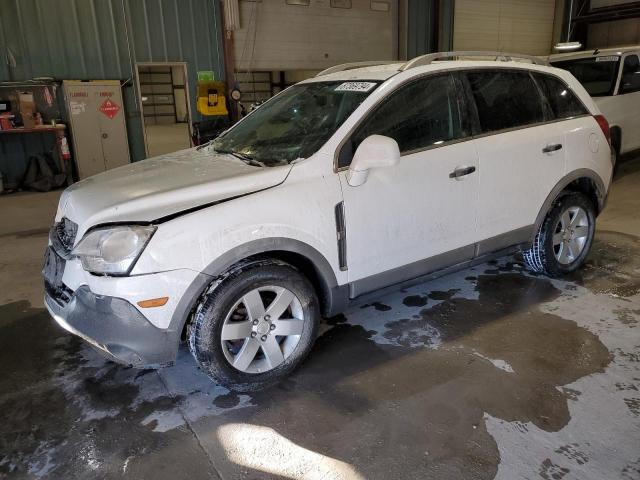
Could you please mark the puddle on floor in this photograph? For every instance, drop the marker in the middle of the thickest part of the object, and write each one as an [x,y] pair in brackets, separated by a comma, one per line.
[448,373]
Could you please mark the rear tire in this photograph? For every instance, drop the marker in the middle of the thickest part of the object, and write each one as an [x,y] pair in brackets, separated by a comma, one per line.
[256,326]
[565,236]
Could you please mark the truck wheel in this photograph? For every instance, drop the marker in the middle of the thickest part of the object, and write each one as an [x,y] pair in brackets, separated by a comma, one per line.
[256,326]
[565,237]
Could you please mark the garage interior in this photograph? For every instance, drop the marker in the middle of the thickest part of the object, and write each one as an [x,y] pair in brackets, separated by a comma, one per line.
[165,108]
[489,372]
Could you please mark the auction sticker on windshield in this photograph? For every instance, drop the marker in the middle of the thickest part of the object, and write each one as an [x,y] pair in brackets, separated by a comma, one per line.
[355,87]
[612,58]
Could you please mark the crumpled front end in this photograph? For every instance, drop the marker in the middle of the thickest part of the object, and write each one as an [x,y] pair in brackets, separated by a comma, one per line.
[114,327]
[104,310]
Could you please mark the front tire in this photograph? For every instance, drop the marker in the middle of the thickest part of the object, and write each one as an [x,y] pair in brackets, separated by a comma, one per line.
[256,326]
[565,236]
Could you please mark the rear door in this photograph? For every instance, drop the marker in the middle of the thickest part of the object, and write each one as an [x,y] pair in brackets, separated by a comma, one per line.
[521,154]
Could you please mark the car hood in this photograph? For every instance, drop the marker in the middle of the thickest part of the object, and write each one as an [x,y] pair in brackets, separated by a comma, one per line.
[158,187]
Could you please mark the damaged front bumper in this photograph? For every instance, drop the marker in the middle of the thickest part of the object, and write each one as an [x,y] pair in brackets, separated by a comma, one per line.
[114,327]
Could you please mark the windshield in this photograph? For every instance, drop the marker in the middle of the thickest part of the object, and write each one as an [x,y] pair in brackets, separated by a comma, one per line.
[596,74]
[295,124]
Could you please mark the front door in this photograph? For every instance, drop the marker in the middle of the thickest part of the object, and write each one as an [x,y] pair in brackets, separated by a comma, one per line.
[419,215]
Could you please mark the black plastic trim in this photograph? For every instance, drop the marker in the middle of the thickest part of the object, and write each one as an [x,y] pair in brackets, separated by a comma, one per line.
[341,235]
[115,328]
[263,246]
[601,193]
[411,271]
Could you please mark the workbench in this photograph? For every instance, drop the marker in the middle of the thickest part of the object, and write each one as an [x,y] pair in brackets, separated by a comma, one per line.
[59,132]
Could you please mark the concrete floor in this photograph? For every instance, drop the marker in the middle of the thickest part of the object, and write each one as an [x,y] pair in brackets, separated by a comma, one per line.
[487,373]
[169,138]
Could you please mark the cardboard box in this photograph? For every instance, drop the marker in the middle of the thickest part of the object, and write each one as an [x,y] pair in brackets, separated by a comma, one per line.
[28,119]
[27,109]
[26,103]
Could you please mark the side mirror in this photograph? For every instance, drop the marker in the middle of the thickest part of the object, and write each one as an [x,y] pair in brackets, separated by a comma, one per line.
[375,151]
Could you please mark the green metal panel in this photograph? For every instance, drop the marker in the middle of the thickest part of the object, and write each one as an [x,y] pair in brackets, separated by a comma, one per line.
[103,39]
[447,9]
[178,31]
[424,19]
[421,35]
[81,39]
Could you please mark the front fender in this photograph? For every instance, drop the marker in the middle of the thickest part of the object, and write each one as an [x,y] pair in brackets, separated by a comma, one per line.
[263,246]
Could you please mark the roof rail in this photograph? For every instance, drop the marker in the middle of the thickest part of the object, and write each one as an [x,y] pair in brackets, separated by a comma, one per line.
[502,56]
[351,66]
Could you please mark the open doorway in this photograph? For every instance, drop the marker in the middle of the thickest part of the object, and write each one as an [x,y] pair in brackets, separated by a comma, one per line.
[164,102]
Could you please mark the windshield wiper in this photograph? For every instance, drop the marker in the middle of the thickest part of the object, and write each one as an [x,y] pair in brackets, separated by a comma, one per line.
[241,156]
[248,160]
[204,145]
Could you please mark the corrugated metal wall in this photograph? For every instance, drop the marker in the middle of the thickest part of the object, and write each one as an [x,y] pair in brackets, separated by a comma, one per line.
[504,25]
[421,25]
[103,39]
[429,26]
[447,11]
[614,34]
[316,36]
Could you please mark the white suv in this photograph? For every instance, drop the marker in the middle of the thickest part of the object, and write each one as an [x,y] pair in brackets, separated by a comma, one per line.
[612,77]
[360,178]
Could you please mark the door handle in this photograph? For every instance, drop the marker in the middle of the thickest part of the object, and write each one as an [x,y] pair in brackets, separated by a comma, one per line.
[461,172]
[552,148]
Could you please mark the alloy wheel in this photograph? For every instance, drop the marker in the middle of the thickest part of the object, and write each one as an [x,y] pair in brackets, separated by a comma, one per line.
[262,329]
[570,235]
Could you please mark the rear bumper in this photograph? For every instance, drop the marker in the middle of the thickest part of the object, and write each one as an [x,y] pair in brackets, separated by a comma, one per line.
[115,328]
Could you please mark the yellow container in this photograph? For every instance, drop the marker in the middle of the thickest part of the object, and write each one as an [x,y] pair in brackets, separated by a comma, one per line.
[212,99]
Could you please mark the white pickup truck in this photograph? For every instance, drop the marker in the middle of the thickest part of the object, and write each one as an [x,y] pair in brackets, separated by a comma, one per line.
[612,78]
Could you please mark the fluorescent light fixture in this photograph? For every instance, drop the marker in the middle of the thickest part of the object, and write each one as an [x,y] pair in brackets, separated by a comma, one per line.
[567,46]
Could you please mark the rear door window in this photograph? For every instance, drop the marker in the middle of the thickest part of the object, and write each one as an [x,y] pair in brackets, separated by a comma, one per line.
[562,100]
[505,99]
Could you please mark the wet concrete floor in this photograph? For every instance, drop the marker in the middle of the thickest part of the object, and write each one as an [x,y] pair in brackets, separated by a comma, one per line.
[487,373]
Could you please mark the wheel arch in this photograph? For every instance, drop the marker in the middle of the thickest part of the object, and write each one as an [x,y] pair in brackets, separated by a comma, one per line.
[582,180]
[304,257]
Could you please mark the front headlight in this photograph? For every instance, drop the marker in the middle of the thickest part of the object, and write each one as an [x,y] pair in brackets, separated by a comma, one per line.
[113,250]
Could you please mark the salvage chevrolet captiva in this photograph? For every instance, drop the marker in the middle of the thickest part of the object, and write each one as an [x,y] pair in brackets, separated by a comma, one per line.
[368,175]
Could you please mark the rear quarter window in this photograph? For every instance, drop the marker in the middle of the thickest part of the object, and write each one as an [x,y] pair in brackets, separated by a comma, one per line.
[562,101]
[505,99]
